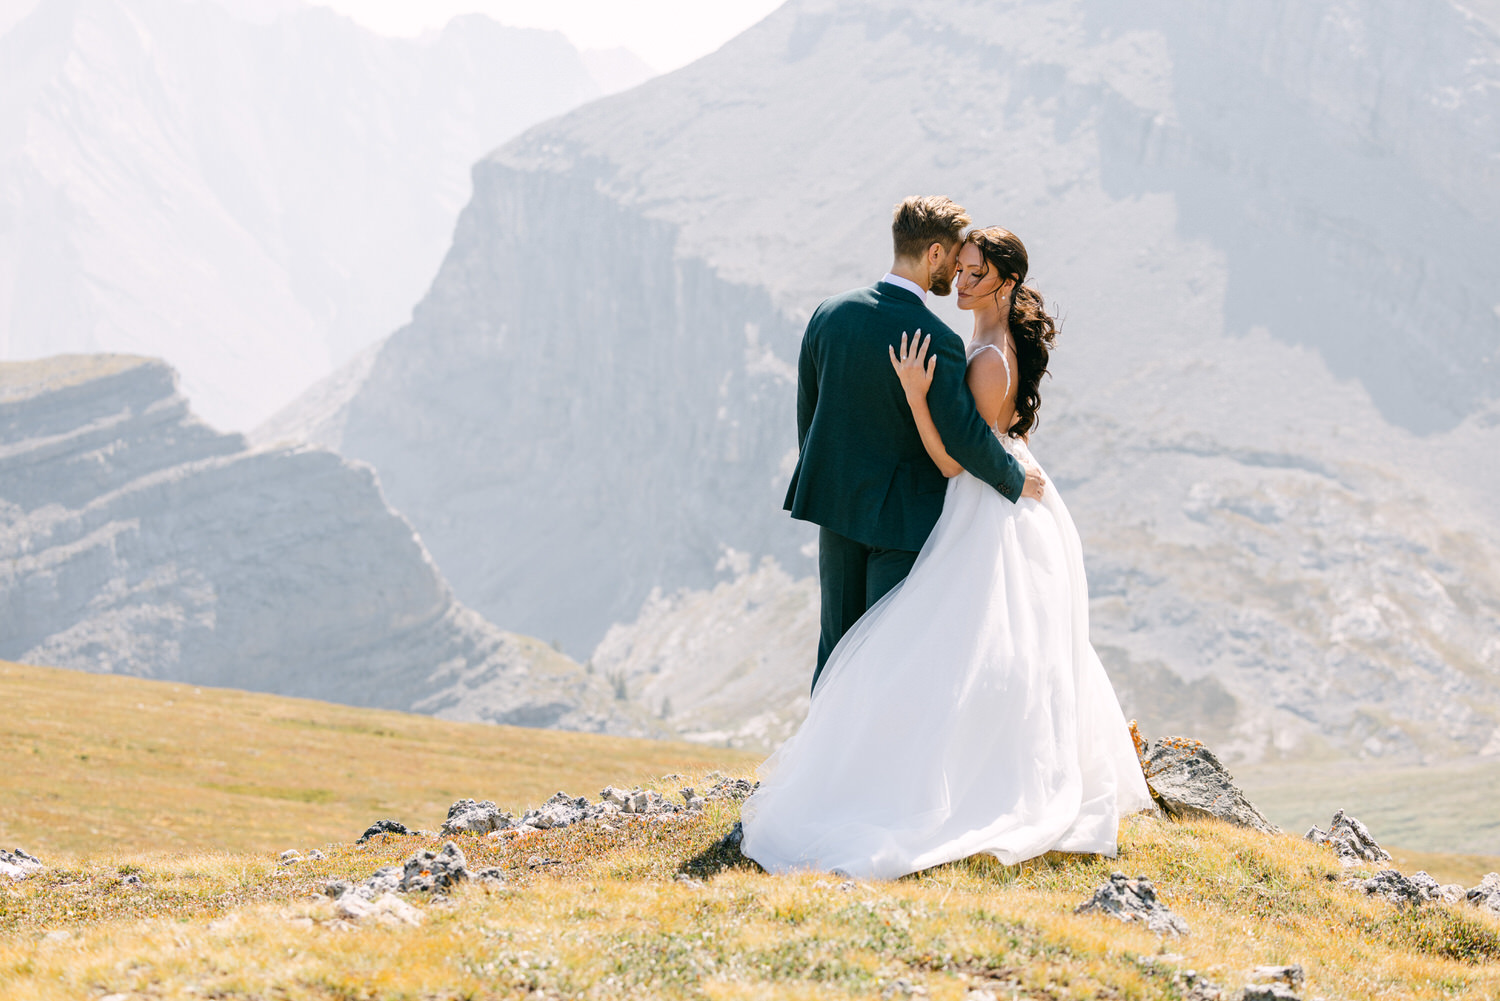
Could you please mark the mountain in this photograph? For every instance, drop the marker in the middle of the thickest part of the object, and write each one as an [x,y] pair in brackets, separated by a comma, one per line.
[1275,405]
[252,198]
[134,539]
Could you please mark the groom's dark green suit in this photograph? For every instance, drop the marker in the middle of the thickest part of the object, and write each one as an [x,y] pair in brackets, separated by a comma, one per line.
[862,473]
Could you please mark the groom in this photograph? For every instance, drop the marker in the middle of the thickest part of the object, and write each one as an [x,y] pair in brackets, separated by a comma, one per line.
[862,474]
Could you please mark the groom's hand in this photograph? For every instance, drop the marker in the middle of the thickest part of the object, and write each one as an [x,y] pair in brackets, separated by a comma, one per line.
[1035,484]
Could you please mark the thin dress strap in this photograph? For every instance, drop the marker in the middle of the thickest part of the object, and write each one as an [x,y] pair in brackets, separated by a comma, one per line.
[1003,360]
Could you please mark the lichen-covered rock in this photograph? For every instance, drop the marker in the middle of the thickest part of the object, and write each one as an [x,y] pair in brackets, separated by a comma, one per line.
[1187,780]
[435,872]
[470,817]
[1350,839]
[18,864]
[383,827]
[1135,899]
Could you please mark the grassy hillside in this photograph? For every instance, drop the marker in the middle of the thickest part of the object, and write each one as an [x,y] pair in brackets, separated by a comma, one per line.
[600,912]
[160,810]
[102,762]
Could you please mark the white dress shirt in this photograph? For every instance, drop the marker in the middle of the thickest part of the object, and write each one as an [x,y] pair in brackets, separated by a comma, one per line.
[907,284]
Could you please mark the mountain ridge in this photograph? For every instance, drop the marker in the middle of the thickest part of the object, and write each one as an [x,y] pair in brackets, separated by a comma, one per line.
[134,539]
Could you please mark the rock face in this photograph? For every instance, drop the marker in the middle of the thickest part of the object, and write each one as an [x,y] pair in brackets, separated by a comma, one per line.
[1188,780]
[1127,899]
[727,666]
[253,199]
[136,540]
[1275,241]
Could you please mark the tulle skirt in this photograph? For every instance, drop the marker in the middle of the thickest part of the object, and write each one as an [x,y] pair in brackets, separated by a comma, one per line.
[966,712]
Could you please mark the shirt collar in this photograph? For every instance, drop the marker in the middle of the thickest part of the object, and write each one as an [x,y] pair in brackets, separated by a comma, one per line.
[907,284]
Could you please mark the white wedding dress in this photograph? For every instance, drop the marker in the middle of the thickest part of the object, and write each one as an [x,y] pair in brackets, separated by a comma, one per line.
[965,713]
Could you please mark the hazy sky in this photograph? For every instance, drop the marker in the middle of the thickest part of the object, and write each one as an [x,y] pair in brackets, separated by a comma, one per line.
[665,33]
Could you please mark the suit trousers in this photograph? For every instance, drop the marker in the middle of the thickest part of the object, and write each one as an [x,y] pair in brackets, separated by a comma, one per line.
[852,576]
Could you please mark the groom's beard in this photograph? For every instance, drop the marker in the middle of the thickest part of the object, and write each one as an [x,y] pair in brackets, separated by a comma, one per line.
[941,284]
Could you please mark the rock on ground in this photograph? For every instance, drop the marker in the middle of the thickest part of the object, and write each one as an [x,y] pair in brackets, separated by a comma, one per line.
[731,789]
[425,872]
[386,908]
[1486,895]
[435,872]
[1269,992]
[1350,839]
[383,827]
[1188,780]
[1402,891]
[1133,900]
[470,817]
[18,864]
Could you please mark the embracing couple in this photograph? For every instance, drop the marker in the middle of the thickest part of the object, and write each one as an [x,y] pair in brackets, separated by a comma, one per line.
[958,707]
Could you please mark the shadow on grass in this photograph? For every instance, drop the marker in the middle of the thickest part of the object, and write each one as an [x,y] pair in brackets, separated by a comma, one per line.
[724,854]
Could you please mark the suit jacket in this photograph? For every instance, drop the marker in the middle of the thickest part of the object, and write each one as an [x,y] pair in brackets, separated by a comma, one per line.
[861,470]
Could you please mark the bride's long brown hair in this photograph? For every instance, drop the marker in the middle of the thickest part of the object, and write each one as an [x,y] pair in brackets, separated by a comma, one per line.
[1030,324]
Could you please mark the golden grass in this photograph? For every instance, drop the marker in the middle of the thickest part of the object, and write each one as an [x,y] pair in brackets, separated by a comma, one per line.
[595,913]
[91,762]
[590,911]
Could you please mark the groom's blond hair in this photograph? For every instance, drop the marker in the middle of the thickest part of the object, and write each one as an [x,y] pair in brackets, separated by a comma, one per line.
[922,220]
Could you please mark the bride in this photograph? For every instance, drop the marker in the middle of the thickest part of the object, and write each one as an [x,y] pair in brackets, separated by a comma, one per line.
[966,711]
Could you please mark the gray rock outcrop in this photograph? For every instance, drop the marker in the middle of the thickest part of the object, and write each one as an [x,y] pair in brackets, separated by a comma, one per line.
[1350,839]
[1401,890]
[1395,888]
[435,871]
[381,827]
[469,817]
[134,539]
[730,788]
[1486,895]
[1188,780]
[1127,899]
[17,864]
[426,871]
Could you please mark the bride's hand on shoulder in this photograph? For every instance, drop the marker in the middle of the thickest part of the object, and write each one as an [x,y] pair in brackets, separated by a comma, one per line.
[913,366]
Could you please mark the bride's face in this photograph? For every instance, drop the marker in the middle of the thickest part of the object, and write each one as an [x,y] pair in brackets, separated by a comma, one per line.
[975,281]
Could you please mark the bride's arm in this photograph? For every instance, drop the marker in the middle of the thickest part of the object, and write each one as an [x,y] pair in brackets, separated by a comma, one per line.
[915,370]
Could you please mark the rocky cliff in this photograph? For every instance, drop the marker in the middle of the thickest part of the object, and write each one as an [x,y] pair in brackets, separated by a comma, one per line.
[252,199]
[136,540]
[1270,233]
